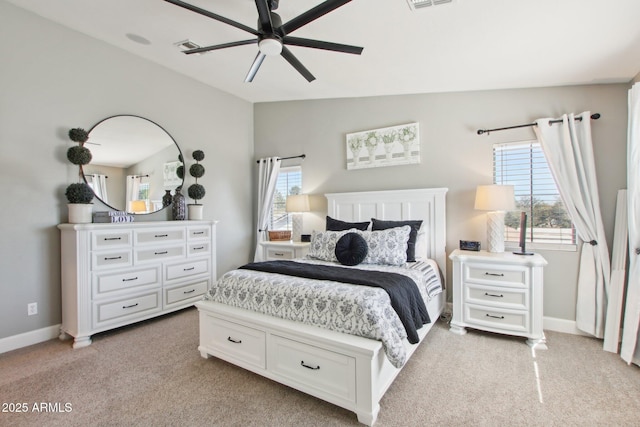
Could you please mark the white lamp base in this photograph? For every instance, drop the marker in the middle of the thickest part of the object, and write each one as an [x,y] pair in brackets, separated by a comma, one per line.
[296,222]
[495,231]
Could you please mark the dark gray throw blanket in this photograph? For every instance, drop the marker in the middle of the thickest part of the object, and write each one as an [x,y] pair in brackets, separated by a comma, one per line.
[403,291]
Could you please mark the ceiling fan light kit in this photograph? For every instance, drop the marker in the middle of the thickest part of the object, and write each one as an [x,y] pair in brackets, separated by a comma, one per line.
[272,36]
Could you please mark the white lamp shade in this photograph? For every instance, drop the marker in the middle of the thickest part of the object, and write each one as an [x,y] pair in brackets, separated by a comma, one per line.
[495,198]
[298,203]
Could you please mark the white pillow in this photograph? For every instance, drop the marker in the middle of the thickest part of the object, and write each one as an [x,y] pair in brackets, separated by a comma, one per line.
[386,247]
[323,244]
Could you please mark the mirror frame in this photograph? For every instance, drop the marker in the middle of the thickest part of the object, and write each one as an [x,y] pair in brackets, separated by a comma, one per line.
[179,158]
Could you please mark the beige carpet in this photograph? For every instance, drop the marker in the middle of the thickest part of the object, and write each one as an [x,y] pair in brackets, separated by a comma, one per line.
[151,374]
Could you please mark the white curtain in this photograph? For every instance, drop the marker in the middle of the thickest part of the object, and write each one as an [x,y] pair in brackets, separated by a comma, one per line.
[569,151]
[99,185]
[268,170]
[630,350]
[133,190]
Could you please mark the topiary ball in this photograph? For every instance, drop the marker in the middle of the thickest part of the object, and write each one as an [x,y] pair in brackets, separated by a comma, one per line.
[79,193]
[180,171]
[79,155]
[196,170]
[196,191]
[198,155]
[78,135]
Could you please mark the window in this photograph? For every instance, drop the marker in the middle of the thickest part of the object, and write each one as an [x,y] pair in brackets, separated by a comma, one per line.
[523,165]
[289,182]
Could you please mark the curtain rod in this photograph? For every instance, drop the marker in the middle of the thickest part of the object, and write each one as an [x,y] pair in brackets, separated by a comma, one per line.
[594,116]
[94,175]
[301,156]
[139,176]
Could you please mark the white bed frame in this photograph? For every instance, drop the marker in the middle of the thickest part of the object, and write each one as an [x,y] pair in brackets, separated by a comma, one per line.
[346,370]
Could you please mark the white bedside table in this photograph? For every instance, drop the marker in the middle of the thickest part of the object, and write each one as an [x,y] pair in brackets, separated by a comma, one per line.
[498,292]
[284,250]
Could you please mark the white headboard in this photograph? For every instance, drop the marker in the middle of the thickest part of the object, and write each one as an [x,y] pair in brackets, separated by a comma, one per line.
[427,204]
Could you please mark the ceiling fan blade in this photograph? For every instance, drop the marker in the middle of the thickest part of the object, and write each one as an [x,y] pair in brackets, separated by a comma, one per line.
[213,16]
[219,46]
[317,44]
[311,15]
[286,54]
[254,67]
[264,16]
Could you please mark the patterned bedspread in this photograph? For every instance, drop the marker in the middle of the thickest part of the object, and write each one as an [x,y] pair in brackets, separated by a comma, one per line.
[340,307]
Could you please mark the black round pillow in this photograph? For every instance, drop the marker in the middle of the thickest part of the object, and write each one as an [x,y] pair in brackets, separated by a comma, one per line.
[351,249]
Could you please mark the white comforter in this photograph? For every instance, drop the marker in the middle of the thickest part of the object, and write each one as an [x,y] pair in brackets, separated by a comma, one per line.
[357,310]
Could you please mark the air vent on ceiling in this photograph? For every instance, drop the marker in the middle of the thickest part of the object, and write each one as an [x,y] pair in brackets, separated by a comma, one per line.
[419,4]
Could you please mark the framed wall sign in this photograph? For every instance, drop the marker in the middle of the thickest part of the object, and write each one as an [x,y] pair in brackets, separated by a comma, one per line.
[392,146]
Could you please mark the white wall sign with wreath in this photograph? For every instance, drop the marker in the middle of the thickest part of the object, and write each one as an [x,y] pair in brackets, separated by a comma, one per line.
[392,146]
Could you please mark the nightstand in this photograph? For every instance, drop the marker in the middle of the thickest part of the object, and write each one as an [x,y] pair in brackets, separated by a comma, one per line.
[498,292]
[284,250]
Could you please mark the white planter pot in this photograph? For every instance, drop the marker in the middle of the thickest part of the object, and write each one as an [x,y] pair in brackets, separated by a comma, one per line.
[195,212]
[80,213]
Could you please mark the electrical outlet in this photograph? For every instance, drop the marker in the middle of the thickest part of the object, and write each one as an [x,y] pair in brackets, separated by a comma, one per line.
[32,308]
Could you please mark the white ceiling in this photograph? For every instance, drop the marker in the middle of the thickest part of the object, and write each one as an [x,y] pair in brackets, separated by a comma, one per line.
[461,46]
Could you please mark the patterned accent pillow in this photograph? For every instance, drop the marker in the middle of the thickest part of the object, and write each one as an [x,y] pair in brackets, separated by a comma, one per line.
[387,247]
[377,224]
[323,244]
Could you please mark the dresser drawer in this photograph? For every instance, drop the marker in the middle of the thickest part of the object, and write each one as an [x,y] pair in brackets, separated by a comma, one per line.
[198,233]
[280,253]
[157,254]
[104,284]
[239,342]
[512,321]
[127,308]
[185,292]
[198,248]
[505,275]
[111,239]
[186,269]
[330,373]
[497,296]
[159,236]
[102,260]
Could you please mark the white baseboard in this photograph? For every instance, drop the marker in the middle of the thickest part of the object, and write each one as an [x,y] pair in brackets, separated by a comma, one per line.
[29,338]
[562,325]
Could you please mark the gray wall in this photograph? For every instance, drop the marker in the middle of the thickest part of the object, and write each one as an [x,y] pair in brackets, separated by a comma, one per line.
[53,79]
[453,155]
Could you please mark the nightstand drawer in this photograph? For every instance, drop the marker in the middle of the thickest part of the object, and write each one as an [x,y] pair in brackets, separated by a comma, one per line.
[503,320]
[480,273]
[280,253]
[497,297]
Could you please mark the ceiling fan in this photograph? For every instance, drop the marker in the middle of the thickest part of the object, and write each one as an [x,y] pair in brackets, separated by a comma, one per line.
[272,36]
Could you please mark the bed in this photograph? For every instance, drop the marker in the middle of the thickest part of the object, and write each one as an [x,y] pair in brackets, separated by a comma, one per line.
[347,370]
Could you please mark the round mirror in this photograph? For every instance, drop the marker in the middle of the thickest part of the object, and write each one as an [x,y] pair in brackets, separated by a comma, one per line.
[134,164]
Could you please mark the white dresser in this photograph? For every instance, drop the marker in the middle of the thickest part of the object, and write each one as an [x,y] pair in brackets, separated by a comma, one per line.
[498,292]
[117,274]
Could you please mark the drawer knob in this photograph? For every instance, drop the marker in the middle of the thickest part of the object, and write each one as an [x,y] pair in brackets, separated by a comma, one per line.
[315,368]
[494,317]
[234,341]
[130,306]
[129,280]
[493,295]
[494,274]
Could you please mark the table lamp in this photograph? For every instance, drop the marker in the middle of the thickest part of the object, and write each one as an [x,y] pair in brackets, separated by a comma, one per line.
[296,205]
[496,199]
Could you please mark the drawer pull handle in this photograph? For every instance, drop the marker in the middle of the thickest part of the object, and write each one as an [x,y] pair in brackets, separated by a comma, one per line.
[309,367]
[278,254]
[495,317]
[112,258]
[130,306]
[112,238]
[161,235]
[198,232]
[234,341]
[189,269]
[494,274]
[199,248]
[129,280]
[161,253]
[494,295]
[189,292]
